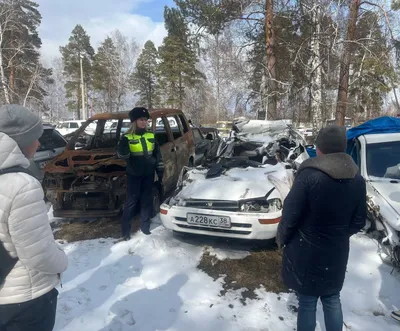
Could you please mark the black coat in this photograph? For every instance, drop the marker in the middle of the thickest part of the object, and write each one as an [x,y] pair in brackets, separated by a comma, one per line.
[326,205]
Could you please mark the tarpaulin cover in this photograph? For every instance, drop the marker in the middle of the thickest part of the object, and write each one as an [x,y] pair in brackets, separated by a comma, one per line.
[384,124]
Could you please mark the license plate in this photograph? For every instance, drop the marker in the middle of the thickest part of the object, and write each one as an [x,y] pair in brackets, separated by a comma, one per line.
[209,220]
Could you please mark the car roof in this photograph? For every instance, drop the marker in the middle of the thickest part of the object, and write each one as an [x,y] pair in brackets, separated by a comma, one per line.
[382,137]
[125,114]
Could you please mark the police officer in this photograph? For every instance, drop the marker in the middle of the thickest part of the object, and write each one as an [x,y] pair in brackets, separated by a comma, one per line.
[143,156]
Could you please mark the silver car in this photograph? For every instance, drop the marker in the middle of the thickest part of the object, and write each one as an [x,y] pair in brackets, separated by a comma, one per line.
[52,143]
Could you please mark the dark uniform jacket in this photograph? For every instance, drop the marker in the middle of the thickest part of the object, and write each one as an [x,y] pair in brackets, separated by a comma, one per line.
[326,205]
[141,165]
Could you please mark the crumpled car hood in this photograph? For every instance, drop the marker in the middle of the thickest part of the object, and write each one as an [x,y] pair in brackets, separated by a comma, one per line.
[390,192]
[234,185]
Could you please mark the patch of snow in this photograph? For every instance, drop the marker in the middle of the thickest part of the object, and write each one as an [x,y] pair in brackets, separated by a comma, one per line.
[153,283]
[223,253]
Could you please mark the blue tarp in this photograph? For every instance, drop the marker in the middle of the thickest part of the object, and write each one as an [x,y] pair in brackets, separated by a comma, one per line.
[312,152]
[384,124]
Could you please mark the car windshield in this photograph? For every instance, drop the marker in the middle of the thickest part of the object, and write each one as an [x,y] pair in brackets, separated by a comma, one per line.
[383,159]
[50,140]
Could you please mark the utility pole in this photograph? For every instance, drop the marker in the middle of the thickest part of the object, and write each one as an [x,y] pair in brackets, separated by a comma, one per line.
[84,117]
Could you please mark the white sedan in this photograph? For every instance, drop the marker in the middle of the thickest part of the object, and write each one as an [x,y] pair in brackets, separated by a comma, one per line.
[241,203]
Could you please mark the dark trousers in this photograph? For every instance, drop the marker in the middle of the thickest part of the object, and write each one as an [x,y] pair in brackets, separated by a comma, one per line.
[34,315]
[140,189]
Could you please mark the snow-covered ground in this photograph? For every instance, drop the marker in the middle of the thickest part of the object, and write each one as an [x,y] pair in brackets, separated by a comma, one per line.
[152,283]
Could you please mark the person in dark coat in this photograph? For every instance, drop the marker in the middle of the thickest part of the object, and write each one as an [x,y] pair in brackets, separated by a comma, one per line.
[324,208]
[143,155]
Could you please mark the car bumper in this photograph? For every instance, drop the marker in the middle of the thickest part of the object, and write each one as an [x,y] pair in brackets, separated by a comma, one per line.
[243,225]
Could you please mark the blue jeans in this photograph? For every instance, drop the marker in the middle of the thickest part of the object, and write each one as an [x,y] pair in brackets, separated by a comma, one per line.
[306,318]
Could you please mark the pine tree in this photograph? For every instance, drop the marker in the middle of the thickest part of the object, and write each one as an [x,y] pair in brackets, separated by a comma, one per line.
[145,78]
[21,73]
[77,47]
[178,59]
[106,66]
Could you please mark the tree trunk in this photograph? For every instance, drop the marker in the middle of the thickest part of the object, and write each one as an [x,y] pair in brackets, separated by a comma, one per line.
[11,80]
[271,60]
[316,79]
[78,104]
[2,74]
[345,63]
[218,77]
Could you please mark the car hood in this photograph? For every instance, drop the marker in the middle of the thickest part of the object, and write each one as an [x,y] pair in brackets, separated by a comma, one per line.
[390,192]
[234,185]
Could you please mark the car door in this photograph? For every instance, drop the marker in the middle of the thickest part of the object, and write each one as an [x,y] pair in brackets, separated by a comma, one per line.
[180,142]
[165,140]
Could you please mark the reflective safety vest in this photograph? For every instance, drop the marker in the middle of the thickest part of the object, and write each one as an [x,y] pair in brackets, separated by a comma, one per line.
[141,144]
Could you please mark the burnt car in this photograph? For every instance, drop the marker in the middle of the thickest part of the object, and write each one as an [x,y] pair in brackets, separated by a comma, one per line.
[91,181]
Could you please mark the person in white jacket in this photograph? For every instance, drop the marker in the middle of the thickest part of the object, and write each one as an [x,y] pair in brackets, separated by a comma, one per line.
[28,294]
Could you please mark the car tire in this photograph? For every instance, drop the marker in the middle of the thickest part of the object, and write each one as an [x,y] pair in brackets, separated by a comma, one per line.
[156,200]
[191,163]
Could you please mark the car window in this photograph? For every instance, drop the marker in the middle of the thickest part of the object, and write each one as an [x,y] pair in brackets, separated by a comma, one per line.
[160,132]
[197,135]
[50,140]
[184,124]
[74,125]
[173,124]
[63,126]
[108,139]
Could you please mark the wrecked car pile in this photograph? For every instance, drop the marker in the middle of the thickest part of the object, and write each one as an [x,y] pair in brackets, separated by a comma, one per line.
[240,192]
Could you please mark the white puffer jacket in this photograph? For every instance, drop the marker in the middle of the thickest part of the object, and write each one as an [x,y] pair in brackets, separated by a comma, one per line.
[25,231]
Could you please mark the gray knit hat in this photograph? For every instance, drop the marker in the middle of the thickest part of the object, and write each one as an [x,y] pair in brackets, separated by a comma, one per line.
[332,139]
[20,124]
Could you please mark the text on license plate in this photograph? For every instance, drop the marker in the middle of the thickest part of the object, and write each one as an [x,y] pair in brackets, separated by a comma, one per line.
[209,220]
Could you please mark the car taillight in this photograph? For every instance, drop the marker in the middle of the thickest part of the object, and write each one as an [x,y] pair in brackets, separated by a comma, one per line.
[163,211]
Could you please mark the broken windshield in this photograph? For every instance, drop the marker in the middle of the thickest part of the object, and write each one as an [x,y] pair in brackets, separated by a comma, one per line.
[383,159]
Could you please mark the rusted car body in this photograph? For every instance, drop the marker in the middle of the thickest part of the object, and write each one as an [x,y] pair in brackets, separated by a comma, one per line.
[91,181]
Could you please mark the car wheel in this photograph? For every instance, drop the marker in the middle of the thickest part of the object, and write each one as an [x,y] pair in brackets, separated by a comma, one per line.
[191,163]
[156,200]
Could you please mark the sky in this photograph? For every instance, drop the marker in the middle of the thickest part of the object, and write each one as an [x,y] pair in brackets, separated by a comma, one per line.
[140,19]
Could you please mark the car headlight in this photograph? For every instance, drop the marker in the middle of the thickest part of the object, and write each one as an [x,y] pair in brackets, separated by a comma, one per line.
[261,206]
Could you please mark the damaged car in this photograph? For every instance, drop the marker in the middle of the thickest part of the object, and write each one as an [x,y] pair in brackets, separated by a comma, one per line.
[239,193]
[91,181]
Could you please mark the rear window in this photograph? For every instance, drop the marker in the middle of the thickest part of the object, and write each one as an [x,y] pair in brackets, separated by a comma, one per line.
[50,140]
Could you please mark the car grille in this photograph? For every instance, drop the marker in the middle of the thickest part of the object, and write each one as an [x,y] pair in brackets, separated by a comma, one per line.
[89,201]
[213,204]
[236,228]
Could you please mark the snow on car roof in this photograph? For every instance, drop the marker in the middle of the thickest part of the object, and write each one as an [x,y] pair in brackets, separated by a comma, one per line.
[263,131]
